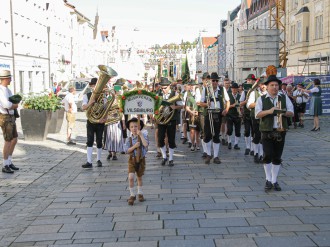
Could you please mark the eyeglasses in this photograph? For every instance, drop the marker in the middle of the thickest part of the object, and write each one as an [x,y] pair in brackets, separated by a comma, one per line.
[215,80]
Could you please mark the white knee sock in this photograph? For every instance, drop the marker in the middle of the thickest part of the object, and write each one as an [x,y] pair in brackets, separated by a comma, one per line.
[248,142]
[188,136]
[140,190]
[275,170]
[99,152]
[268,171]
[163,150]
[171,151]
[131,191]
[216,147]
[208,147]
[5,163]
[89,154]
[223,135]
[236,140]
[261,151]
[228,139]
[204,146]
[9,159]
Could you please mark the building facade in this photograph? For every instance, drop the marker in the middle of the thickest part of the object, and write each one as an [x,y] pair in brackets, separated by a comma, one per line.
[308,33]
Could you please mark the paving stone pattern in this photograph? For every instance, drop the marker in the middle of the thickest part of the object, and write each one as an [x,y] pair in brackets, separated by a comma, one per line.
[52,201]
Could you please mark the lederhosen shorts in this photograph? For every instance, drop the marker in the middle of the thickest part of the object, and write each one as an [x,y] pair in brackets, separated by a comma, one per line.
[8,126]
[132,166]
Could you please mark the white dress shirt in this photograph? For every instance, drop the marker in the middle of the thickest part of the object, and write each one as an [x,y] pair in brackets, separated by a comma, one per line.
[258,108]
[5,104]
[203,98]
[252,97]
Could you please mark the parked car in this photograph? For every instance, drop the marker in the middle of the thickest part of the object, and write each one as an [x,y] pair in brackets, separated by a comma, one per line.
[81,86]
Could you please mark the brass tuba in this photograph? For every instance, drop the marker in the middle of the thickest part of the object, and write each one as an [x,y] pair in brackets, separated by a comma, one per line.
[166,113]
[114,115]
[100,108]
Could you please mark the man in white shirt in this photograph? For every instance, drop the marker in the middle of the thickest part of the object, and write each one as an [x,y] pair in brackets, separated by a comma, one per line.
[217,106]
[7,122]
[301,99]
[71,110]
[273,109]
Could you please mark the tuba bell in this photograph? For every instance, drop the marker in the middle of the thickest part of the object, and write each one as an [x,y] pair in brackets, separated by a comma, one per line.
[100,108]
[166,113]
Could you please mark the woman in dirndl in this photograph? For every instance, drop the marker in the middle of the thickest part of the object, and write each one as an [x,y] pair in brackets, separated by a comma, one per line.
[315,107]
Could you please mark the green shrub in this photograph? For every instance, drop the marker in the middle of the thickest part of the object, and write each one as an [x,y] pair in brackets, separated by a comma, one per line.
[42,102]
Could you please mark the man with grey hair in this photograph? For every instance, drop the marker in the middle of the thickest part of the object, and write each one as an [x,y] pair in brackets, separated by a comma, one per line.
[70,107]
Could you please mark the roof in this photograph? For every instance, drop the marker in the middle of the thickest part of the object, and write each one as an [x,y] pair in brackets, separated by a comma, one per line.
[302,10]
[234,13]
[207,41]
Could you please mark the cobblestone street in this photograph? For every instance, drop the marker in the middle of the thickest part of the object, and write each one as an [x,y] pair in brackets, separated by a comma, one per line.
[52,201]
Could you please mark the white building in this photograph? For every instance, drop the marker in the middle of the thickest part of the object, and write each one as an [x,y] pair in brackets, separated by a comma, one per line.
[232,29]
[43,42]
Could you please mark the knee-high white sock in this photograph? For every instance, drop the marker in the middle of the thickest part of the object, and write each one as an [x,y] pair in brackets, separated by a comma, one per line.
[139,188]
[236,140]
[275,170]
[261,151]
[163,150]
[131,191]
[253,148]
[188,136]
[216,147]
[248,142]
[99,152]
[208,147]
[89,154]
[222,135]
[268,171]
[228,139]
[204,146]
[171,151]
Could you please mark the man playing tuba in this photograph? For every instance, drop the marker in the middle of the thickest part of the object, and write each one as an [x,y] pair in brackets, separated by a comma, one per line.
[168,126]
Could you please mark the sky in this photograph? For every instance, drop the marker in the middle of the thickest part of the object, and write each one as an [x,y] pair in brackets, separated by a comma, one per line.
[158,22]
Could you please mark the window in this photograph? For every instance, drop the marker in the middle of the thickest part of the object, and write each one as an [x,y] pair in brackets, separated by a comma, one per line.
[21,81]
[299,32]
[307,34]
[293,34]
[30,82]
[319,27]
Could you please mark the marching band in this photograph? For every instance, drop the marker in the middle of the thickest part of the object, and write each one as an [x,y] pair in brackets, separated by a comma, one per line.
[213,112]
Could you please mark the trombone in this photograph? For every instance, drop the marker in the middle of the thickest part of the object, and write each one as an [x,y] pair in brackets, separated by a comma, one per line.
[210,93]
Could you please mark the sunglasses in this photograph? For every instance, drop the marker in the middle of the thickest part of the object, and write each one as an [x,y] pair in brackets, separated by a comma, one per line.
[215,80]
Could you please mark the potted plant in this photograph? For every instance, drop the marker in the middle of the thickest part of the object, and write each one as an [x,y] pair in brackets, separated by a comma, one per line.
[36,115]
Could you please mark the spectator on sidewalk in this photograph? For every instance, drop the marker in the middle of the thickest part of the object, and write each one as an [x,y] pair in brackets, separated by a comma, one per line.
[315,106]
[7,122]
[138,140]
[71,110]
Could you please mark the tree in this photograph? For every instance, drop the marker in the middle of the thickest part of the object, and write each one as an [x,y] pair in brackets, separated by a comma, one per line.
[185,71]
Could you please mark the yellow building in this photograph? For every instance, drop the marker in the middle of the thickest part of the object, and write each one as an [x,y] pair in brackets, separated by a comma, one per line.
[308,36]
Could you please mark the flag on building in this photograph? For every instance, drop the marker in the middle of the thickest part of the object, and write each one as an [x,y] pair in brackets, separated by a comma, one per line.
[185,71]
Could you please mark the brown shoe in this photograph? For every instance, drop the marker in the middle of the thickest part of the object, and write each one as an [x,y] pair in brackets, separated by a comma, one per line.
[131,200]
[216,160]
[141,198]
[208,159]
